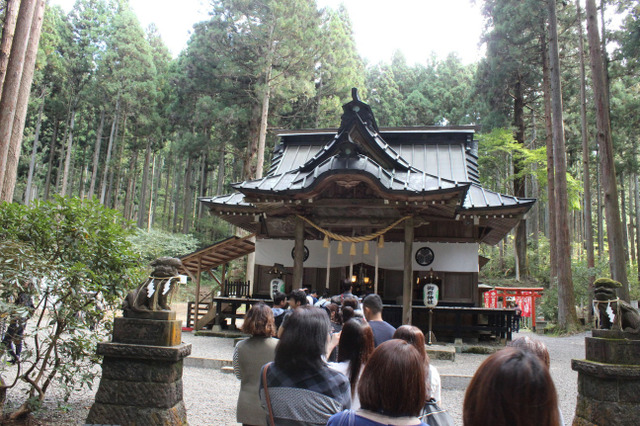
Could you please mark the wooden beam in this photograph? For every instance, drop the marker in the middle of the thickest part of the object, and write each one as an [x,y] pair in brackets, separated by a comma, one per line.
[214,277]
[223,276]
[298,259]
[407,279]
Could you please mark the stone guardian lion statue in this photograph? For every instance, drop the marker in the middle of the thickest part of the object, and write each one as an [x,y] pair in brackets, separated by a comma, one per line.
[155,291]
[612,312]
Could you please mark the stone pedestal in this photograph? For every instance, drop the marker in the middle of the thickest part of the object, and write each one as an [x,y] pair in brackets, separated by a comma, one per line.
[141,380]
[609,380]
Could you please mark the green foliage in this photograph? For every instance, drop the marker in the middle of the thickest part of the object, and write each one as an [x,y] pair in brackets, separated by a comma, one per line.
[498,150]
[499,266]
[339,69]
[512,36]
[149,245]
[501,272]
[438,93]
[74,259]
[548,307]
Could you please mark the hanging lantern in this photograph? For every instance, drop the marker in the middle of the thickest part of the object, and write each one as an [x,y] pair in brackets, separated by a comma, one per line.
[325,243]
[352,251]
[365,250]
[339,247]
[381,241]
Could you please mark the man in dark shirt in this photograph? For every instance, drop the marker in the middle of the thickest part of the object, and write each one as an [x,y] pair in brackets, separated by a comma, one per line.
[279,307]
[345,287]
[295,299]
[382,330]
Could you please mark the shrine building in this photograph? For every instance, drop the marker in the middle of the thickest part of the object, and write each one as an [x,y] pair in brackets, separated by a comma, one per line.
[388,208]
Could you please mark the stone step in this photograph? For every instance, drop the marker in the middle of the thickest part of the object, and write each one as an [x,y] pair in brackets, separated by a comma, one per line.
[207,363]
[441,352]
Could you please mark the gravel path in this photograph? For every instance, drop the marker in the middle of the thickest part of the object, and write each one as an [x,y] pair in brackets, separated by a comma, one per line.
[210,395]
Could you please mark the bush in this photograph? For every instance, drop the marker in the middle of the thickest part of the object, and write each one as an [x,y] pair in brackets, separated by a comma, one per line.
[150,245]
[74,259]
[549,304]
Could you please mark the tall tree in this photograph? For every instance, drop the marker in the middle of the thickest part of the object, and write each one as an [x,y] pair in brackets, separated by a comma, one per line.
[90,25]
[605,143]
[588,225]
[274,44]
[567,318]
[338,69]
[11,85]
[510,72]
[8,29]
[17,129]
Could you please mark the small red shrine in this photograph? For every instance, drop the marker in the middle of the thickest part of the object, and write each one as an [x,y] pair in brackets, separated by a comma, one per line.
[524,297]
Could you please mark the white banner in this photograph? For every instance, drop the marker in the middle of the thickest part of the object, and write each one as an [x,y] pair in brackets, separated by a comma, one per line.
[447,257]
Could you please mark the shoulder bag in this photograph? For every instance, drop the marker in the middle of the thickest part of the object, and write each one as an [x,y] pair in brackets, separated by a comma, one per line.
[266,394]
[433,415]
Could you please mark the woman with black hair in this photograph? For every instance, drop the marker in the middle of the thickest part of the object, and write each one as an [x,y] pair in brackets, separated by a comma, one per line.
[392,388]
[355,347]
[298,388]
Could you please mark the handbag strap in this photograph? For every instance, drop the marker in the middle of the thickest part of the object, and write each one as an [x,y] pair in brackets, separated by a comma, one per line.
[266,393]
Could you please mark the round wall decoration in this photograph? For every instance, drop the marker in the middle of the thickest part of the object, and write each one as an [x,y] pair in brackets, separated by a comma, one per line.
[424,256]
[305,253]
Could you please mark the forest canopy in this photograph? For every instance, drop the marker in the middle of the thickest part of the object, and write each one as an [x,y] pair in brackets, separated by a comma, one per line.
[113,116]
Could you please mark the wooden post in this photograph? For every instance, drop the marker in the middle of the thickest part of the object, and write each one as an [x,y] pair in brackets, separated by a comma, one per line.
[196,310]
[407,293]
[298,258]
[375,277]
[532,302]
[251,267]
[222,278]
[326,284]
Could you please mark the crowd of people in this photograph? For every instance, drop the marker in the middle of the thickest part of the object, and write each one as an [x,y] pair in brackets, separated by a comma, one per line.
[335,361]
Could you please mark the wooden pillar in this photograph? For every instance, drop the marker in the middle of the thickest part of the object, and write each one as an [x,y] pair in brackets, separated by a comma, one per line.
[251,268]
[326,283]
[407,281]
[223,277]
[532,301]
[298,258]
[196,309]
[375,278]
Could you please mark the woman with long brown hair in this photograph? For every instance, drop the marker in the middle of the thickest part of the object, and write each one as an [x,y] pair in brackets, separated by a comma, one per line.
[248,358]
[512,387]
[392,388]
[415,336]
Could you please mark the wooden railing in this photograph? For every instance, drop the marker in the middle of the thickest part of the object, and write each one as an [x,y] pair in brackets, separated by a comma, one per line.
[236,289]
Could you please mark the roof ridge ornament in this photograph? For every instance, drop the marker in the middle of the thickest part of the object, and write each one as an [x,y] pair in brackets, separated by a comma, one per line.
[356,110]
